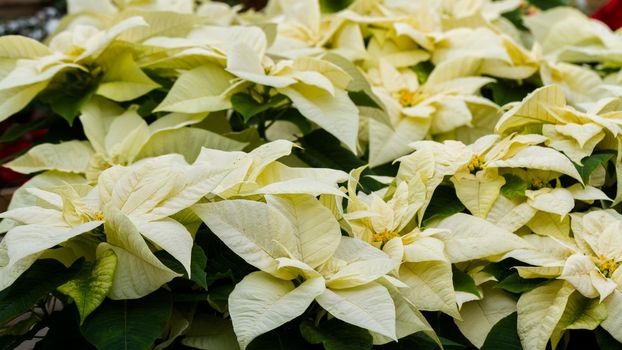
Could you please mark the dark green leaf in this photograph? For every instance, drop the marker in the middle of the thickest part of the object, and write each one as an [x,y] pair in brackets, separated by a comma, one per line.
[590,163]
[197,266]
[67,93]
[334,5]
[361,98]
[516,17]
[549,4]
[579,339]
[293,116]
[128,324]
[63,332]
[170,262]
[502,269]
[515,284]
[286,337]
[448,332]
[514,187]
[420,341]
[444,203]
[336,335]
[503,335]
[222,263]
[606,341]
[463,282]
[218,297]
[505,91]
[248,107]
[423,71]
[43,277]
[321,149]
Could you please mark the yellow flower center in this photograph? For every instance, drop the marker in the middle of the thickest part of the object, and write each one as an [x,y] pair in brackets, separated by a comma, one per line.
[476,164]
[408,98]
[99,216]
[606,266]
[385,236]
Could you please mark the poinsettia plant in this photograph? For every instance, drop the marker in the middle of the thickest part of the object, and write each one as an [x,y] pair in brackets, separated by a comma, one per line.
[373,174]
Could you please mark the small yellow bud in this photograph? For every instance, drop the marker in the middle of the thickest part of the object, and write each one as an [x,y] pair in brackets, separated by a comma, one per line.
[408,98]
[385,236]
[606,266]
[476,164]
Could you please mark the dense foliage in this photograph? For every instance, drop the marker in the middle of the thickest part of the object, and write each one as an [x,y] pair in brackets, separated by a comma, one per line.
[391,174]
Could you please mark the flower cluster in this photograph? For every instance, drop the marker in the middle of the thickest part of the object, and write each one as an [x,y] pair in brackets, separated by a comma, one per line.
[354,172]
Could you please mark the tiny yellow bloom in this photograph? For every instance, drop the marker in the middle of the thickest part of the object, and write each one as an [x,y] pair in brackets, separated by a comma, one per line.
[476,164]
[385,236]
[99,216]
[409,98]
[606,266]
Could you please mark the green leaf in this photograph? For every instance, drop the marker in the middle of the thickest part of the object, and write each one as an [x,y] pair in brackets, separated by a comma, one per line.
[590,163]
[218,297]
[90,287]
[421,341]
[362,98]
[286,337]
[515,284]
[516,17]
[503,335]
[293,116]
[463,282]
[444,203]
[197,266]
[502,269]
[128,324]
[548,4]
[323,150]
[210,332]
[67,94]
[514,187]
[43,277]
[222,263]
[336,335]
[334,5]
[423,71]
[248,107]
[580,313]
[504,91]
[63,332]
